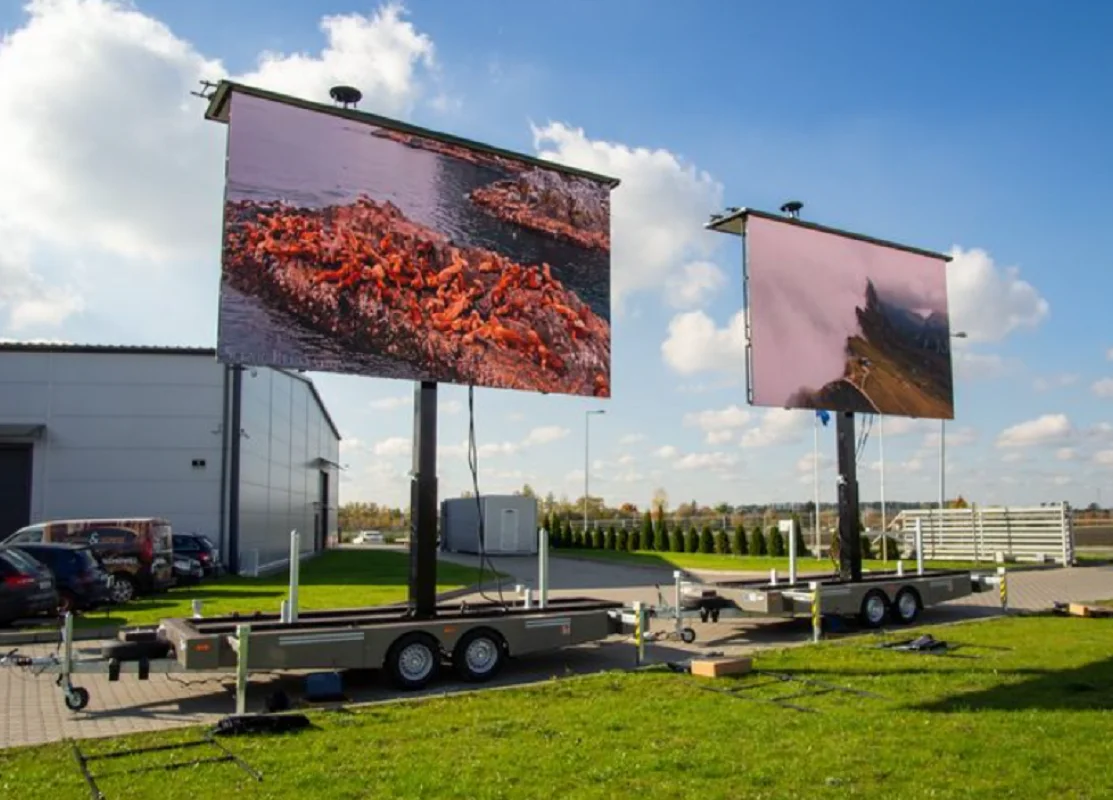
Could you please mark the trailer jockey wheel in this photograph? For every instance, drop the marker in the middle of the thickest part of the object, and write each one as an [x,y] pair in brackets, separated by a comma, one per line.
[413,661]
[687,635]
[875,608]
[76,698]
[907,606]
[479,655]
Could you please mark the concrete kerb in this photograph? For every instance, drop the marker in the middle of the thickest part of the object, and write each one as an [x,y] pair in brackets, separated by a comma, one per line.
[52,635]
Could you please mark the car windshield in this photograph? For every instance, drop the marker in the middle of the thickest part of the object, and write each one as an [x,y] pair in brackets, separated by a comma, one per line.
[206,542]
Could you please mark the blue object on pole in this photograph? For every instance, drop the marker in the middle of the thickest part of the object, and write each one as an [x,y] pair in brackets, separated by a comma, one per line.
[824,416]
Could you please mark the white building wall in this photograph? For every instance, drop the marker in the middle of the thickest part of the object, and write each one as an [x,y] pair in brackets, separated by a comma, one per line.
[286,433]
[121,433]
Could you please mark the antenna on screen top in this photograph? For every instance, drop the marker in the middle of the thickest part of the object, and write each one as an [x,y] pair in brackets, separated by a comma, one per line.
[792,208]
[345,96]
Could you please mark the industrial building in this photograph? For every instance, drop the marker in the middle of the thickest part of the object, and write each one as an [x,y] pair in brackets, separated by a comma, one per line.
[240,454]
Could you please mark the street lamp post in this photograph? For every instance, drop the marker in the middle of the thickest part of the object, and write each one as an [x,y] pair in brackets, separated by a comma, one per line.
[587,461]
[943,455]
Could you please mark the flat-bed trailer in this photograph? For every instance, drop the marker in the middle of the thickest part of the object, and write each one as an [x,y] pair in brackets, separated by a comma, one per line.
[874,599]
[475,639]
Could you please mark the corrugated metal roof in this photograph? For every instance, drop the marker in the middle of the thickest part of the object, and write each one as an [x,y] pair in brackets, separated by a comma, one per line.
[69,347]
[131,349]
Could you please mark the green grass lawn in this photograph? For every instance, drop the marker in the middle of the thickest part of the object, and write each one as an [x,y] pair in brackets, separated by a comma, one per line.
[713,561]
[334,579]
[1020,710]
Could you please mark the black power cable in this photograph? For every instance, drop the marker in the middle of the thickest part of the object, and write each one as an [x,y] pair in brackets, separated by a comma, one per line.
[473,465]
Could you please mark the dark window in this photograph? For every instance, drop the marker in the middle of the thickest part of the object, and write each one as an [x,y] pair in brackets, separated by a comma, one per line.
[186,544]
[85,559]
[21,561]
[27,536]
[48,555]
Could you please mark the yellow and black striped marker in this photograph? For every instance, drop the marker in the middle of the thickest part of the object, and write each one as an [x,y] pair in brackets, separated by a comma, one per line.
[1003,588]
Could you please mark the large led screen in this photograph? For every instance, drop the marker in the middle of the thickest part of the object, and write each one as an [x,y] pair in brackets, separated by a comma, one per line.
[845,324]
[355,248]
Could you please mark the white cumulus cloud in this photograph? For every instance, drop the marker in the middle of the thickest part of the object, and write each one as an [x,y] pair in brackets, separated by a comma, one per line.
[1048,429]
[695,284]
[989,302]
[695,344]
[657,212]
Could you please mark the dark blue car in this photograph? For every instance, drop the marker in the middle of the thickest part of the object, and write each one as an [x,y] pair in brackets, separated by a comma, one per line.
[82,583]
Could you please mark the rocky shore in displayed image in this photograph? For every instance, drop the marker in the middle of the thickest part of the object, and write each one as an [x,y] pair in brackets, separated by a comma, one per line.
[377,282]
[565,207]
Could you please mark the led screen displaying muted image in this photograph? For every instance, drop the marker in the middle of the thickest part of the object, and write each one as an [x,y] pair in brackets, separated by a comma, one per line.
[351,247]
[846,324]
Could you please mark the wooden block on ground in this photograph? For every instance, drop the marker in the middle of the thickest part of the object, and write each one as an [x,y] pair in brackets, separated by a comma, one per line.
[717,667]
[1079,610]
[1083,610]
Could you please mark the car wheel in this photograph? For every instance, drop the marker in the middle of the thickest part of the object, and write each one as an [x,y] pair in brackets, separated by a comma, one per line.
[907,606]
[123,589]
[875,608]
[413,661]
[479,655]
[67,603]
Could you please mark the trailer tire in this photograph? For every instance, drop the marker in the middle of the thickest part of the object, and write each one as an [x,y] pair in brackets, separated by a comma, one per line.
[687,635]
[875,609]
[134,651]
[77,698]
[907,606]
[413,661]
[479,655]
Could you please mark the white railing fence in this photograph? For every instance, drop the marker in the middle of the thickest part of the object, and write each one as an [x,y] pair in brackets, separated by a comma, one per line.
[1031,533]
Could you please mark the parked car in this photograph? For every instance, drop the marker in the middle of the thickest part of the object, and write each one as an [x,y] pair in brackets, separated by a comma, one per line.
[200,547]
[137,552]
[81,580]
[187,571]
[27,587]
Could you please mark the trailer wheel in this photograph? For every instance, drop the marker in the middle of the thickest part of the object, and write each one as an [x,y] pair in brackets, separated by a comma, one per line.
[687,635]
[479,655]
[413,661]
[76,698]
[875,608]
[907,606]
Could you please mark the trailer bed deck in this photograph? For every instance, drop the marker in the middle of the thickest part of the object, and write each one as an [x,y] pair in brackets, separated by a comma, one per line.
[363,638]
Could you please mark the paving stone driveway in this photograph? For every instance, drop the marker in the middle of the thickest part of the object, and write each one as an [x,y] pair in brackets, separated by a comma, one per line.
[32,712]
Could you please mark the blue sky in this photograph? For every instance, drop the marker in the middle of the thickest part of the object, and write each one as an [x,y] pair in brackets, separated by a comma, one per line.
[943,124]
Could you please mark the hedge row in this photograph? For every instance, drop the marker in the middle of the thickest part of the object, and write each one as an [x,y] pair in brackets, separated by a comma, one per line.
[659,538]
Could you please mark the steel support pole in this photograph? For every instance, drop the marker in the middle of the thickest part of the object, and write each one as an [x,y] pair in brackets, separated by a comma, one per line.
[850,549]
[423,504]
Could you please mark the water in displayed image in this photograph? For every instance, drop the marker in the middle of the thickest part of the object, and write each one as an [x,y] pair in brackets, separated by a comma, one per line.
[354,248]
